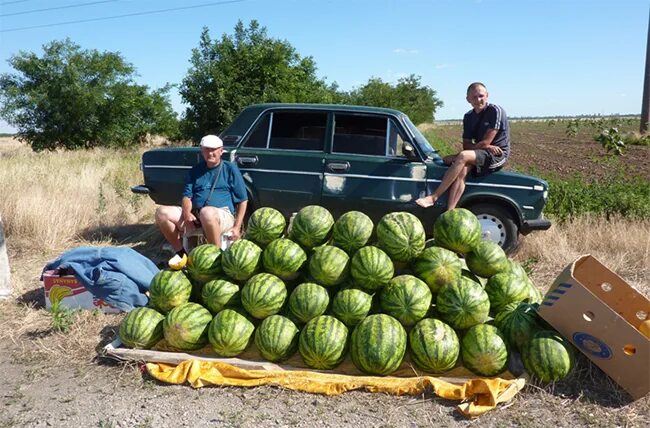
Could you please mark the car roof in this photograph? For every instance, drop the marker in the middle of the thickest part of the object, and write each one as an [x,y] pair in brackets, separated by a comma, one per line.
[337,107]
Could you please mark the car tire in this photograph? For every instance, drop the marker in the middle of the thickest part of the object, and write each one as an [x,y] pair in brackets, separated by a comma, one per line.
[497,225]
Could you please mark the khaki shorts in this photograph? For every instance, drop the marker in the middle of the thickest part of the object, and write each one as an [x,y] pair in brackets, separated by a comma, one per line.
[226,219]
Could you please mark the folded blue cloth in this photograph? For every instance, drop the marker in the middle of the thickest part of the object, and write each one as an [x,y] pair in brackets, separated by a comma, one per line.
[120,276]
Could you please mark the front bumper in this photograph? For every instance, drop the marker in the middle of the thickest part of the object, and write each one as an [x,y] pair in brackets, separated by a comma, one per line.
[537,224]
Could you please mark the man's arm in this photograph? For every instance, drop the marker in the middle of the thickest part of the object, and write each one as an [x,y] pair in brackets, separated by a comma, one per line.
[240,212]
[186,210]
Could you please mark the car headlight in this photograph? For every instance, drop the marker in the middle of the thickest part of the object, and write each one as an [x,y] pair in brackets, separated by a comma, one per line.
[545,194]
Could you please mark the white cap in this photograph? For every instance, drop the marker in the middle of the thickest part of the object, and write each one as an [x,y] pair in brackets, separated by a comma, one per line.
[211,142]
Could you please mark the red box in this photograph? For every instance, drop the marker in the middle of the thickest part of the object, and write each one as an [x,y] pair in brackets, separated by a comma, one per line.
[71,293]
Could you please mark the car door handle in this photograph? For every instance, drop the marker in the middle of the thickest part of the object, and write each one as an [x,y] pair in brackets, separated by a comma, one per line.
[247,160]
[338,166]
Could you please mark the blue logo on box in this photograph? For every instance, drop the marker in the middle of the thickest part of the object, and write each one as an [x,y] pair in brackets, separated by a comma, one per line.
[592,345]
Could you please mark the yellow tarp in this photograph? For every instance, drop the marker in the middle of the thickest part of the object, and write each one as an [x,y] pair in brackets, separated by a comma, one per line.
[477,395]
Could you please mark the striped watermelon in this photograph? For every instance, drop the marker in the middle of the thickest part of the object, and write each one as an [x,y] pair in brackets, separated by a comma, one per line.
[371,268]
[434,345]
[311,226]
[265,225]
[518,322]
[141,328]
[230,333]
[437,266]
[276,338]
[204,263]
[504,288]
[548,356]
[406,298]
[323,342]
[329,265]
[352,231]
[263,295]
[517,269]
[378,344]
[534,295]
[401,235]
[284,258]
[308,300]
[241,260]
[186,326]
[484,350]
[219,294]
[463,304]
[351,306]
[487,259]
[457,230]
[168,289]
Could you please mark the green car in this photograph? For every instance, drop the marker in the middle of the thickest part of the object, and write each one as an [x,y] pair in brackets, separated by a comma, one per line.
[344,158]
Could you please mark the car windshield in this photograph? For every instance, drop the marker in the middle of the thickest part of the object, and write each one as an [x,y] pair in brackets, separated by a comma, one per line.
[420,139]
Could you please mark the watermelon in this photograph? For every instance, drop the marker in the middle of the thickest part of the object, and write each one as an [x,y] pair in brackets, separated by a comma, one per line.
[351,231]
[351,306]
[371,268]
[463,304]
[263,295]
[457,230]
[219,294]
[141,328]
[517,269]
[168,289]
[329,265]
[401,235]
[548,356]
[504,288]
[186,326]
[406,298]
[204,263]
[241,260]
[484,350]
[311,226]
[434,345]
[378,344]
[265,225]
[276,338]
[534,295]
[283,258]
[308,300]
[518,322]
[323,342]
[437,266]
[487,259]
[230,333]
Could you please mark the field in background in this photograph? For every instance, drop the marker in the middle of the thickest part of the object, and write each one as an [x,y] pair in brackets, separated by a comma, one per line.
[51,202]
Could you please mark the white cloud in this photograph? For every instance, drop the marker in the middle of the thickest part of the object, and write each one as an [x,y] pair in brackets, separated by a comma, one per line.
[400,51]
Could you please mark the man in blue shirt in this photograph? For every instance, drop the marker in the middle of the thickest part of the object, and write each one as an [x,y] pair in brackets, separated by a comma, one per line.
[486,147]
[214,198]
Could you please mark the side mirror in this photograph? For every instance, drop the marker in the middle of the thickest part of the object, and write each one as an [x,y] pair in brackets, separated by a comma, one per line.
[409,150]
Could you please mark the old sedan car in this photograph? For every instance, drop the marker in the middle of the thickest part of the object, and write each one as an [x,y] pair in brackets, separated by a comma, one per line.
[373,160]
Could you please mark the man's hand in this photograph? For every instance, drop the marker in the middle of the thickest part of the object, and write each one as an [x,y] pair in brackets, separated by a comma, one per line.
[495,150]
[235,233]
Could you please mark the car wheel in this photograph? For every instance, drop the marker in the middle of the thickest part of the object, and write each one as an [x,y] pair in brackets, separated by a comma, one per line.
[497,225]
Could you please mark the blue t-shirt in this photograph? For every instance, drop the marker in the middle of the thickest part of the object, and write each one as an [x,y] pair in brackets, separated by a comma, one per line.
[229,191]
[492,117]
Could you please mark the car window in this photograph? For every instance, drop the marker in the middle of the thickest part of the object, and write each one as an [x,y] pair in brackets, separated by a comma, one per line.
[395,140]
[298,131]
[260,135]
[358,134]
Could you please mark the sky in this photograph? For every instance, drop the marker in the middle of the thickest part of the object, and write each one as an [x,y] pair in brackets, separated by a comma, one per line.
[536,57]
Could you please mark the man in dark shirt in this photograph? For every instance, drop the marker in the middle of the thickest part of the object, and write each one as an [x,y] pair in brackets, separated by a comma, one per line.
[214,198]
[486,147]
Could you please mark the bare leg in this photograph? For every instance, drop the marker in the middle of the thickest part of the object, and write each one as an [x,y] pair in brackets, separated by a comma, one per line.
[463,159]
[211,225]
[457,188]
[168,219]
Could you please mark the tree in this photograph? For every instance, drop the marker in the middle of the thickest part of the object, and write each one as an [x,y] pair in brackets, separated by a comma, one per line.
[245,68]
[74,98]
[408,95]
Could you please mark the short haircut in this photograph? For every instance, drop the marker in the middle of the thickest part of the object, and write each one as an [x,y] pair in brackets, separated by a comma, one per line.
[475,85]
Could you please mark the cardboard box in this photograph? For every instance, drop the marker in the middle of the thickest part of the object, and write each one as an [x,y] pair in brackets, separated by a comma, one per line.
[600,313]
[71,293]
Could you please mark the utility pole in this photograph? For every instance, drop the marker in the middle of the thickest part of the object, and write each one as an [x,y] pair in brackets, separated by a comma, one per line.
[645,101]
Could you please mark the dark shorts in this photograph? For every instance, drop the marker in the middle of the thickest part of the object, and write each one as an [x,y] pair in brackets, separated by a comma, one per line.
[487,163]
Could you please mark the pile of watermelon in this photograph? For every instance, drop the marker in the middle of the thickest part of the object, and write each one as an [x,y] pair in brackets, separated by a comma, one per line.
[325,288]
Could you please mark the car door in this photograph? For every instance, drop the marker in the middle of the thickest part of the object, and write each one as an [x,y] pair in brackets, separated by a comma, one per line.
[367,169]
[281,159]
